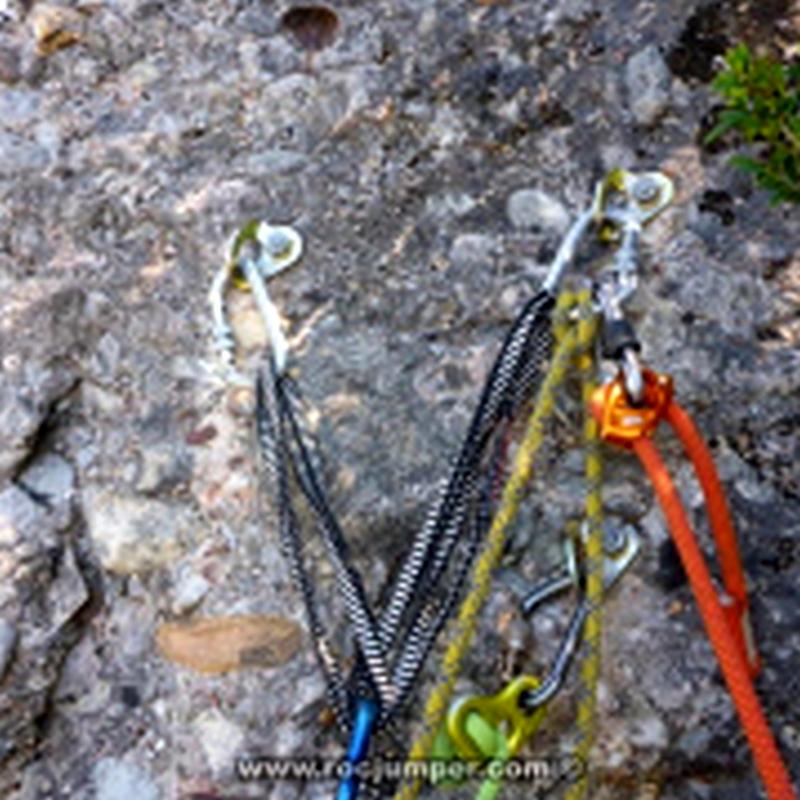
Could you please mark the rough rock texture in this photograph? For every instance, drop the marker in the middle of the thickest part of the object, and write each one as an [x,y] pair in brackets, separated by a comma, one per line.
[413,145]
[648,82]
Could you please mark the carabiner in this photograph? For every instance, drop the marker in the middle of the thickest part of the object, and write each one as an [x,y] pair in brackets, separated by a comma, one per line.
[645,195]
[620,548]
[516,711]
[625,203]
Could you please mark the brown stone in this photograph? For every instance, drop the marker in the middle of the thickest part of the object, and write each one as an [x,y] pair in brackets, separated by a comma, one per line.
[55,27]
[223,644]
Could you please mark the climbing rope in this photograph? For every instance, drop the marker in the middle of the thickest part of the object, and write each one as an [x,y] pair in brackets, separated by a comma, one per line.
[500,725]
[372,681]
[628,202]
[391,646]
[511,382]
[726,619]
[594,577]
[292,449]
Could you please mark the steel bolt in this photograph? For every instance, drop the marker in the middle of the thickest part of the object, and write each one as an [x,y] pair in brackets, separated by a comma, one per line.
[645,190]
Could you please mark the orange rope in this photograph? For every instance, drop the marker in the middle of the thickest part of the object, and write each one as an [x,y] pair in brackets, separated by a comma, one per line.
[725,618]
[727,647]
[737,609]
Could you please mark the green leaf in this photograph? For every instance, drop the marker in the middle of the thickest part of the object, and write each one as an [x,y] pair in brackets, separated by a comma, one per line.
[793,135]
[725,83]
[727,120]
[755,129]
[762,102]
[746,164]
[779,157]
[738,58]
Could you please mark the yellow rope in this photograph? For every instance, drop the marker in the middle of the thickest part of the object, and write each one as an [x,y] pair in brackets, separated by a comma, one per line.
[573,342]
[595,562]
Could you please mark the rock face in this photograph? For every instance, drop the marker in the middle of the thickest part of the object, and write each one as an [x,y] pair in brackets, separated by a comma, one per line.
[530,208]
[135,534]
[430,154]
[648,81]
[115,779]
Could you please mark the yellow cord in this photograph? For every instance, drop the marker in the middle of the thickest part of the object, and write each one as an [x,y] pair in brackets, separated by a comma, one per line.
[573,342]
[592,629]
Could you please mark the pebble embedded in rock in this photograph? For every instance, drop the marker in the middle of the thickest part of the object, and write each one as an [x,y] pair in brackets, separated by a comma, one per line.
[51,478]
[54,27]
[118,779]
[134,533]
[220,739]
[189,592]
[163,466]
[68,593]
[18,108]
[18,153]
[10,71]
[472,250]
[241,401]
[649,732]
[694,743]
[201,435]
[535,209]
[222,644]
[648,81]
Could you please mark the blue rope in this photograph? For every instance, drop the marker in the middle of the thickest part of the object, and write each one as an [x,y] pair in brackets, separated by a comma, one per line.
[366,714]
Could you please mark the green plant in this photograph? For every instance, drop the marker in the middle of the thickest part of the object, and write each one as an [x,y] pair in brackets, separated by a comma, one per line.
[762,102]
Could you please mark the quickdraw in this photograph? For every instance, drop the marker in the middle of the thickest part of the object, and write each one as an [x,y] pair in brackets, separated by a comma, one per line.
[628,410]
[494,728]
[621,546]
[465,623]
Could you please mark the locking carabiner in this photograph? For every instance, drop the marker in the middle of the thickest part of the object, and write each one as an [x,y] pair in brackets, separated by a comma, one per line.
[625,203]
